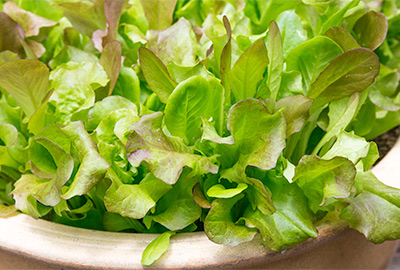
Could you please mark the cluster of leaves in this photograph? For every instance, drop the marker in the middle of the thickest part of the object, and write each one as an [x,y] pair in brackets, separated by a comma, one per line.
[233,117]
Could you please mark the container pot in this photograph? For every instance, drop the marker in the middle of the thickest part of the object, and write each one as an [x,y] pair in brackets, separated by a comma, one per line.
[26,243]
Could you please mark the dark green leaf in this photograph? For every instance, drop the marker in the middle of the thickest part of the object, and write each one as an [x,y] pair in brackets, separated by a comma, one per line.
[371,29]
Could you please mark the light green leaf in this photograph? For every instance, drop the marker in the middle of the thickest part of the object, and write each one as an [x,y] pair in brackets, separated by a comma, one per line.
[322,179]
[77,80]
[292,31]
[341,112]
[27,81]
[259,136]
[336,13]
[85,17]
[262,13]
[135,201]
[220,226]
[365,210]
[210,134]
[248,71]
[177,209]
[350,146]
[275,56]
[312,57]
[103,108]
[290,224]
[165,156]
[189,102]
[45,191]
[93,167]
[158,13]
[219,191]
[156,248]
[128,85]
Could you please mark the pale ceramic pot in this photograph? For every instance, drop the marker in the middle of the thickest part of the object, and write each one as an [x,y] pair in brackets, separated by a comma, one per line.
[26,243]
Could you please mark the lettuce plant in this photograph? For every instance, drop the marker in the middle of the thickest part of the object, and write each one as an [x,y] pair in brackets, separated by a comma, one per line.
[229,117]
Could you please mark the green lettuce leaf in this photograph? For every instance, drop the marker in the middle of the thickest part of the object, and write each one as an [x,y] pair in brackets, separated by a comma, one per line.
[220,226]
[322,179]
[156,248]
[177,209]
[27,81]
[248,71]
[74,85]
[158,13]
[375,210]
[189,102]
[290,224]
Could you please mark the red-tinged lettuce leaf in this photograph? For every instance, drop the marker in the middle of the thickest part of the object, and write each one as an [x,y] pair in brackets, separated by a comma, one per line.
[342,37]
[312,57]
[86,17]
[177,209]
[11,34]
[158,13]
[290,224]
[220,226]
[134,201]
[165,156]
[193,99]
[322,179]
[370,30]
[110,60]
[248,71]
[92,167]
[156,74]
[353,71]
[156,248]
[275,56]
[30,22]
[27,81]
[112,13]
[46,191]
[375,211]
[226,56]
[295,109]
[177,43]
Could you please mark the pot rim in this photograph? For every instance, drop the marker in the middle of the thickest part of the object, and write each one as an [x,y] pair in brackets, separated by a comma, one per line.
[67,246]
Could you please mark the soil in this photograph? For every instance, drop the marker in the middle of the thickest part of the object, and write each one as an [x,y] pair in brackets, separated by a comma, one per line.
[386,141]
